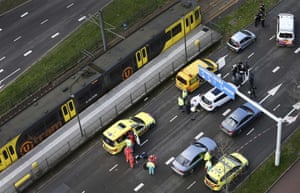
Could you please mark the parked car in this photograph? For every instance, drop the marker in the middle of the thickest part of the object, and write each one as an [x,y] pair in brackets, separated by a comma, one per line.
[238,119]
[213,98]
[189,158]
[240,40]
[225,170]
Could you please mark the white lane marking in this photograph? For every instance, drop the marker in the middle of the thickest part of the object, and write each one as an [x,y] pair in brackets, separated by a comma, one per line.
[144,142]
[251,55]
[250,131]
[192,184]
[173,118]
[272,37]
[11,74]
[55,35]
[3,57]
[82,18]
[83,191]
[227,74]
[1,70]
[24,14]
[44,21]
[226,112]
[28,52]
[275,108]
[17,38]
[297,50]
[276,69]
[112,168]
[169,160]
[199,135]
[138,187]
[70,5]
[1,29]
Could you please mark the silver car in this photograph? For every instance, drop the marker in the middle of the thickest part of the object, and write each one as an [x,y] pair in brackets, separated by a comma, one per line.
[240,40]
[186,161]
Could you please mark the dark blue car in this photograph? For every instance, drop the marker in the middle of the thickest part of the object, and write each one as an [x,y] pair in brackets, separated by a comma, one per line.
[236,121]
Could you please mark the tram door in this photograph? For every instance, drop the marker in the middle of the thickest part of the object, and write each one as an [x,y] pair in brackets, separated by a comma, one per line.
[8,156]
[141,57]
[189,22]
[68,110]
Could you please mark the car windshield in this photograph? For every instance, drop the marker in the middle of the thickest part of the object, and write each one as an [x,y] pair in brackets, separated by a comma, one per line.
[197,144]
[285,35]
[233,43]
[234,159]
[182,80]
[205,100]
[182,160]
[247,33]
[137,120]
[231,121]
[247,109]
[108,141]
[210,178]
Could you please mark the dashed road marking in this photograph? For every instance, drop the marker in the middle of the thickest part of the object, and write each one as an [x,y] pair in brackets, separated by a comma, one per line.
[169,160]
[114,167]
[44,21]
[17,38]
[70,5]
[136,189]
[226,112]
[199,135]
[3,57]
[1,29]
[297,50]
[192,184]
[272,37]
[252,54]
[276,69]
[82,18]
[275,108]
[173,118]
[250,131]
[28,52]
[55,35]
[24,14]
[1,70]
[144,142]
[227,74]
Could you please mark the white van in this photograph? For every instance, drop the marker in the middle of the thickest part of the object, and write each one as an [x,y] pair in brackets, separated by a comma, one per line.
[285,34]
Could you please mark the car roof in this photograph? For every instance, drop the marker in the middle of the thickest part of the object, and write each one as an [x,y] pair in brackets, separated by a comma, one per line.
[238,36]
[205,144]
[119,128]
[213,93]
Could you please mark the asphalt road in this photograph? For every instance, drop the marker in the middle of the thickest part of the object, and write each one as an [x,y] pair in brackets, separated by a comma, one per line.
[91,169]
[29,31]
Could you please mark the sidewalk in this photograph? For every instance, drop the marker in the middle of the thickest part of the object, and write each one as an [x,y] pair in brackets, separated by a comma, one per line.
[289,181]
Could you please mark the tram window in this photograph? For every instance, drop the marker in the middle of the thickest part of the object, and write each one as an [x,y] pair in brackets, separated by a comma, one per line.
[138,55]
[176,30]
[11,150]
[0,161]
[197,15]
[192,19]
[71,106]
[166,37]
[5,154]
[144,52]
[65,110]
[187,22]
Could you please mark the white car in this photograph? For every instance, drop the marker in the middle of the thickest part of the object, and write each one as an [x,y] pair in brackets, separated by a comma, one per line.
[213,98]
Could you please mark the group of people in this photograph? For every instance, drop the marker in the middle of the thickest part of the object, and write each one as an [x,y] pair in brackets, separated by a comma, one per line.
[260,16]
[239,73]
[150,161]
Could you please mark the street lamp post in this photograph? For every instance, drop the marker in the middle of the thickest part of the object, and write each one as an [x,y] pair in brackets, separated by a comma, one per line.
[77,115]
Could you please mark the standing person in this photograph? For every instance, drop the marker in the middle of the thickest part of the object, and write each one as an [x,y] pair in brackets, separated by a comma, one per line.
[262,19]
[152,158]
[180,102]
[151,166]
[131,160]
[207,156]
[127,152]
[207,166]
[184,95]
[256,19]
[251,85]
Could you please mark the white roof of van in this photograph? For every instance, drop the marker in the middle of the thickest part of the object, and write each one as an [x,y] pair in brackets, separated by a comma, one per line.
[286,22]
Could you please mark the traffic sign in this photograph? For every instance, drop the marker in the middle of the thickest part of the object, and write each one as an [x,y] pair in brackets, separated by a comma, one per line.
[213,79]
